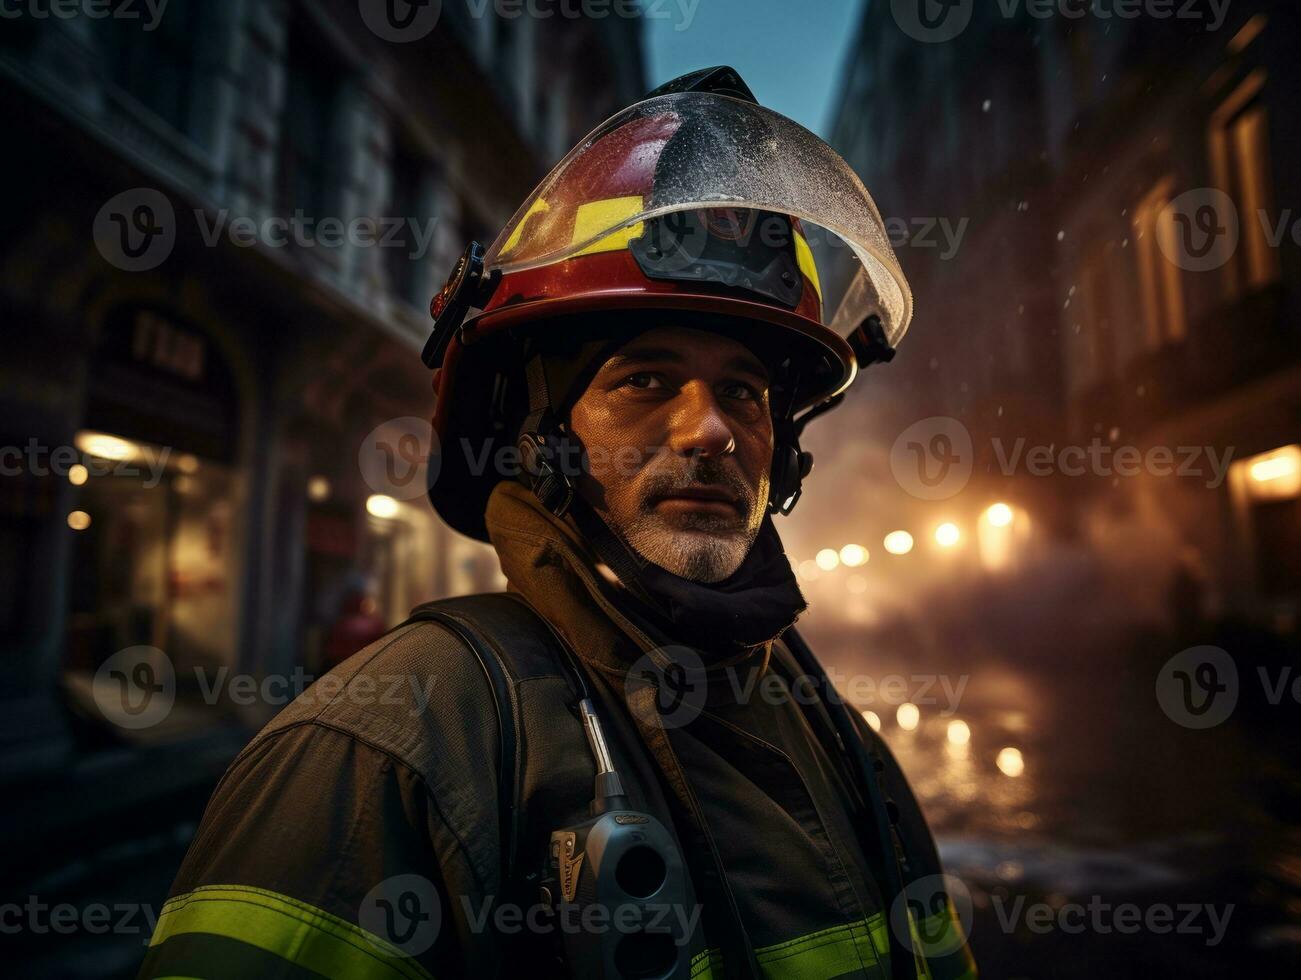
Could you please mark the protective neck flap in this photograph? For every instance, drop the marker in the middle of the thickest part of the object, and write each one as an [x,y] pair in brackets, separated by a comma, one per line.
[754,606]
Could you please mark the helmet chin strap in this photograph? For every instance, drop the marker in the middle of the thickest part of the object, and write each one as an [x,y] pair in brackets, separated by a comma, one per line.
[550,458]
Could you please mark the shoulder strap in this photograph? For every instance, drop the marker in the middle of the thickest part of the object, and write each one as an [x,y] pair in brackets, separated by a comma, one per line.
[511,643]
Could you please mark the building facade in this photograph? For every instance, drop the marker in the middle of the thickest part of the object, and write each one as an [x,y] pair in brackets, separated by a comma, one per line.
[1121,297]
[227,225]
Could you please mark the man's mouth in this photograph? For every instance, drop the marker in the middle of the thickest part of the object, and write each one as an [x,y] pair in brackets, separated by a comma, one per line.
[702,499]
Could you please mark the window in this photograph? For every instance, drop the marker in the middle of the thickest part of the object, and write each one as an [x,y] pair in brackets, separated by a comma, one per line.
[1161,285]
[1094,324]
[1239,147]
[305,174]
[407,265]
[157,67]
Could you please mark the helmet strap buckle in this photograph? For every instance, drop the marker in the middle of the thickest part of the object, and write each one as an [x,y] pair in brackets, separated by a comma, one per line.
[550,458]
[466,287]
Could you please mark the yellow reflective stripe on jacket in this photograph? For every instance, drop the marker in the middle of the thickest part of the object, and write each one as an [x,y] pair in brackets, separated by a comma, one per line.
[941,939]
[834,951]
[293,930]
[703,964]
[826,953]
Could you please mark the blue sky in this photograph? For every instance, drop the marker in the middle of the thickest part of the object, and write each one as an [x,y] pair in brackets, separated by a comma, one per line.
[791,52]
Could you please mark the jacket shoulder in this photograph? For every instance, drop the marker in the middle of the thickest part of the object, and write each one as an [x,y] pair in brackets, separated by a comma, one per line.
[422,692]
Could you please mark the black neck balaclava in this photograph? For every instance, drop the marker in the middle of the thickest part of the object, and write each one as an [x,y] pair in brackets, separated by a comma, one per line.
[752,606]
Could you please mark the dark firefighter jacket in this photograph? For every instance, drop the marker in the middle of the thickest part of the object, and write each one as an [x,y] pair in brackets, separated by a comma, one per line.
[360,834]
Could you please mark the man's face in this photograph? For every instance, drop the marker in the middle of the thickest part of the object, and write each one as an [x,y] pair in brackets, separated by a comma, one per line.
[679,435]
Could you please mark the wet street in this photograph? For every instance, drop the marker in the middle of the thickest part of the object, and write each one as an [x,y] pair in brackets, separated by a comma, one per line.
[1095,835]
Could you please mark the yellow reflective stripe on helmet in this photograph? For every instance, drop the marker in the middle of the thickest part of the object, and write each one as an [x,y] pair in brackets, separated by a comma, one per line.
[596,216]
[295,931]
[539,206]
[804,256]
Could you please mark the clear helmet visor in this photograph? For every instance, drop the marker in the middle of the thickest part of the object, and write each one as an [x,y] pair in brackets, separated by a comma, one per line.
[692,151]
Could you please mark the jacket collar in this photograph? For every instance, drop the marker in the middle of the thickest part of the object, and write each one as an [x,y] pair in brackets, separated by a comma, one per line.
[565,576]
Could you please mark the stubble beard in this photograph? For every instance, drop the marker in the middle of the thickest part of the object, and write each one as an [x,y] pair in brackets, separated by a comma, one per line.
[705,548]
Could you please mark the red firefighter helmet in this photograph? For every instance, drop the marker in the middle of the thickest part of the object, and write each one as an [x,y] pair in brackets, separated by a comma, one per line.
[691,203]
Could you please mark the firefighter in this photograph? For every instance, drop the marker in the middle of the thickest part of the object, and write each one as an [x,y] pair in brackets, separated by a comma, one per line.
[630,764]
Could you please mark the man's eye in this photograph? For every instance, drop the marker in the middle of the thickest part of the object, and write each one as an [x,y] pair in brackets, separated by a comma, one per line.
[644,380]
[736,389]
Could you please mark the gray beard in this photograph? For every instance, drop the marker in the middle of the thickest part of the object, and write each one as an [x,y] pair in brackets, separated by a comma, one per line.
[701,547]
[699,553]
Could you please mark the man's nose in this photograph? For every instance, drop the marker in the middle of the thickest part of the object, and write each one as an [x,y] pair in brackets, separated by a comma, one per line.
[698,426]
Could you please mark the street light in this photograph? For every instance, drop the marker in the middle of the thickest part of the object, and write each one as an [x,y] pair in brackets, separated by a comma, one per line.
[382,506]
[959,732]
[947,535]
[1010,762]
[999,515]
[908,716]
[853,555]
[104,446]
[898,542]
